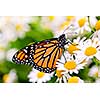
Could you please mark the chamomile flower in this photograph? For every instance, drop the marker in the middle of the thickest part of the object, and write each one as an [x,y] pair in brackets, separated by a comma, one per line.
[75,45]
[61,78]
[74,79]
[94,72]
[69,64]
[36,76]
[52,22]
[11,77]
[13,27]
[67,22]
[81,23]
[95,23]
[20,25]
[90,49]
[6,28]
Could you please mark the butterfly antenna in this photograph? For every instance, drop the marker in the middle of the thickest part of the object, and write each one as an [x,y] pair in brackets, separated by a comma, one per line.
[66,29]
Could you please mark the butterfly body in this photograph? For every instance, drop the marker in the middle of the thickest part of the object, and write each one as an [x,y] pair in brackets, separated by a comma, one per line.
[42,55]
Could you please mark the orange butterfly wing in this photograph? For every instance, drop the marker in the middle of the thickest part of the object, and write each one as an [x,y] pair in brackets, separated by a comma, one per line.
[23,55]
[43,55]
[46,55]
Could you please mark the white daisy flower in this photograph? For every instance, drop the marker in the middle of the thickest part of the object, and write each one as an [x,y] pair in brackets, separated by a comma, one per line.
[52,22]
[61,77]
[93,21]
[79,40]
[94,72]
[20,25]
[74,79]
[6,28]
[77,25]
[39,77]
[97,25]
[13,27]
[67,22]
[90,49]
[81,23]
[75,45]
[11,77]
[69,64]
[64,77]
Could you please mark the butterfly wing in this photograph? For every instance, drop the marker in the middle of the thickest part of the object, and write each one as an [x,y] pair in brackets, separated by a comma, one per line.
[46,55]
[42,56]
[23,55]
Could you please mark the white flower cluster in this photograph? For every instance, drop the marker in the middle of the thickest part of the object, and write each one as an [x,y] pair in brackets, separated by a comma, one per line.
[78,54]
[11,28]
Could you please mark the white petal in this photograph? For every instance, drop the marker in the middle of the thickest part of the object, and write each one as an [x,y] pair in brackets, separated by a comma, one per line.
[98,55]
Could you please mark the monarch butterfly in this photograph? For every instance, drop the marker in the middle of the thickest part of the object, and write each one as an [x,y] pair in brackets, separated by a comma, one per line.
[42,55]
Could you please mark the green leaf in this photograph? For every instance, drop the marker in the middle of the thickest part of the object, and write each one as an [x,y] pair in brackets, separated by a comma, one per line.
[22,70]
[21,42]
[96,61]
[39,36]
[53,79]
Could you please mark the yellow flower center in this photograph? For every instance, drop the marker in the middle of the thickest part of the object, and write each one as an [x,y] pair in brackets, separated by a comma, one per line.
[69,18]
[97,25]
[64,24]
[51,18]
[70,65]
[81,22]
[40,74]
[90,51]
[59,73]
[73,79]
[72,48]
[19,27]
[5,78]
